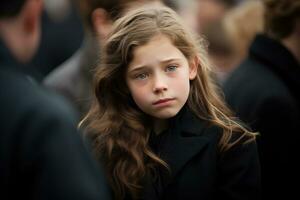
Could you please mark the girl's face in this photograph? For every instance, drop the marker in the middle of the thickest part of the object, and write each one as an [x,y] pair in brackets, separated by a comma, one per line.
[159,77]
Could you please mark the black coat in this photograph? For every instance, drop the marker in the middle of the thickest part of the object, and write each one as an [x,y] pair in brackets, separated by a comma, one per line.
[41,153]
[265,92]
[198,169]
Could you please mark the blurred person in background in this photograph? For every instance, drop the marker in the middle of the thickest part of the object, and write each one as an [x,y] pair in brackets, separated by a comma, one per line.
[265,92]
[42,155]
[73,79]
[209,11]
[186,9]
[62,35]
[209,16]
[230,37]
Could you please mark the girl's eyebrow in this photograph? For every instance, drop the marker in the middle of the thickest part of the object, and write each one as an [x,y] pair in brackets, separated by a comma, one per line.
[138,68]
[170,60]
[141,67]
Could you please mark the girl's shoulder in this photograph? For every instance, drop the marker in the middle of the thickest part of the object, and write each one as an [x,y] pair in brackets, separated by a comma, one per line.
[190,125]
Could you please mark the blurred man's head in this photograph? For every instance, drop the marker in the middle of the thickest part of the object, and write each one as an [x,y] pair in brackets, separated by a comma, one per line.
[281,17]
[98,15]
[282,22]
[10,8]
[210,11]
[20,27]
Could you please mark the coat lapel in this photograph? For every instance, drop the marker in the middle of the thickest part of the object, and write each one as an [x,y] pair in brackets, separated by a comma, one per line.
[184,141]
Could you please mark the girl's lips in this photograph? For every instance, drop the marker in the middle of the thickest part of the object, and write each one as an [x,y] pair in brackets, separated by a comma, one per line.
[163,101]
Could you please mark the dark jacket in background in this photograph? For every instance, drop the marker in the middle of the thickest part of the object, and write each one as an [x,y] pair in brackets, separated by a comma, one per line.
[59,41]
[265,93]
[41,153]
[198,169]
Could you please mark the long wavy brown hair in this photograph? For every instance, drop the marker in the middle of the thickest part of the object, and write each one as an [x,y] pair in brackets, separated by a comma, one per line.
[118,129]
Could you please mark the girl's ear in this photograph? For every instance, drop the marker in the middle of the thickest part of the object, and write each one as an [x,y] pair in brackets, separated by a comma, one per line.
[193,67]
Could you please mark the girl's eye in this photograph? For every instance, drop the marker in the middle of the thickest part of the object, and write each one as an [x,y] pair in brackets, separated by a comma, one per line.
[171,68]
[141,76]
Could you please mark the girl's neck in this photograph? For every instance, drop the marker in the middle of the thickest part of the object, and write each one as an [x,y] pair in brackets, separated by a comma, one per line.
[159,125]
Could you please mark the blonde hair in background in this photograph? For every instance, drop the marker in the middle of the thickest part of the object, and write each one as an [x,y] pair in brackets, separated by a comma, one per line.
[242,23]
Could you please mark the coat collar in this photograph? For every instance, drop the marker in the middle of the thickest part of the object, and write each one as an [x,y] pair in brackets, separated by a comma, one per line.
[273,52]
[8,62]
[279,60]
[6,58]
[185,140]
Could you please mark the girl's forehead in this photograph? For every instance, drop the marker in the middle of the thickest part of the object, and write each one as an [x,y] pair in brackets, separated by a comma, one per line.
[158,50]
[155,45]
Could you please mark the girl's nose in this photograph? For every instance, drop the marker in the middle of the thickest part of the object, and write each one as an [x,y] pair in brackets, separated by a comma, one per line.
[159,86]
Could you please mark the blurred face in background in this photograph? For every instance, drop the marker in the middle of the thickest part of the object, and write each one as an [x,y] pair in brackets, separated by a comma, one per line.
[22,32]
[209,11]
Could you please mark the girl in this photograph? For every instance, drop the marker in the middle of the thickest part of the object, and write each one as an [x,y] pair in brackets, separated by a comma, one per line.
[158,124]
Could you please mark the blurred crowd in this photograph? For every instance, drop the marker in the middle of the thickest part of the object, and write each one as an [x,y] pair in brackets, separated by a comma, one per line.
[254,52]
